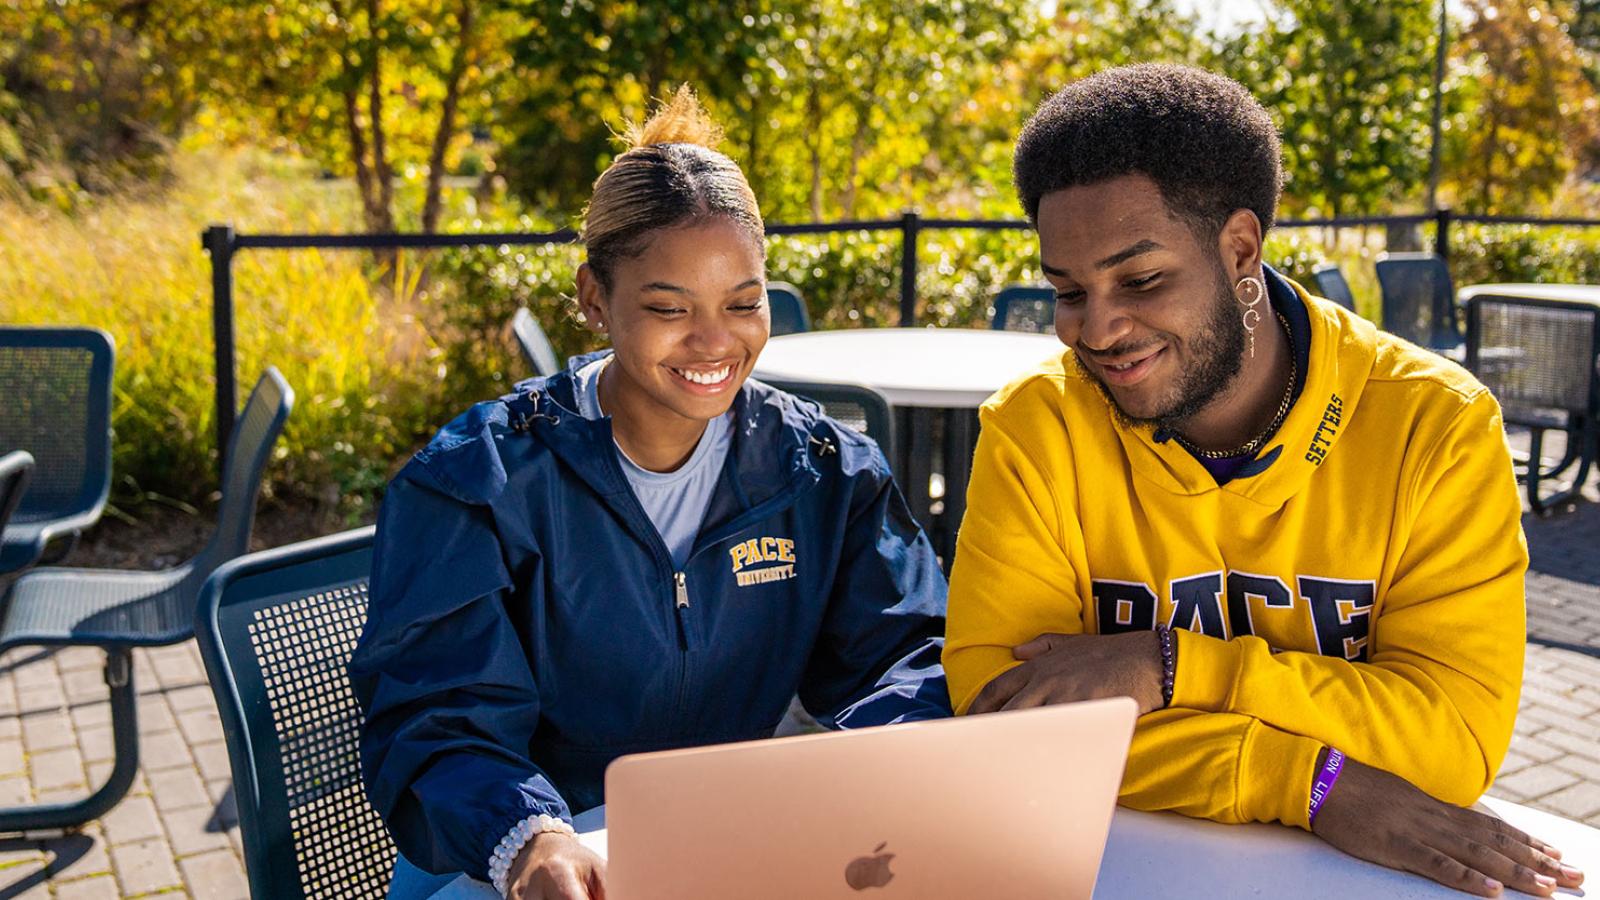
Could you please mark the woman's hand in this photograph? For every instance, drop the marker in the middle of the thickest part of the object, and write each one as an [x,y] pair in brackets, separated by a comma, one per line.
[554,866]
[1384,819]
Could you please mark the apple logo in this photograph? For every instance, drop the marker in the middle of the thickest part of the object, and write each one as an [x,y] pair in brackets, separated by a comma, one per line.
[869,871]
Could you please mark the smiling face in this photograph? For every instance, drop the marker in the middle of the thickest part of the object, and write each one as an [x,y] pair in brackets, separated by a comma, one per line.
[687,318]
[1147,308]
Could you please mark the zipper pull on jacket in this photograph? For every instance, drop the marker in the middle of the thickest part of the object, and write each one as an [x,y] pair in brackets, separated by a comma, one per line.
[683,590]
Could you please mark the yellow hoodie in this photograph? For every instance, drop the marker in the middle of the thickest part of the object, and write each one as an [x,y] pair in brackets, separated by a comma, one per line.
[1365,591]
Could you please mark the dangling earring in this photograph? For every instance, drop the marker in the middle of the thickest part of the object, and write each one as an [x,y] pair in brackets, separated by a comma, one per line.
[1250,291]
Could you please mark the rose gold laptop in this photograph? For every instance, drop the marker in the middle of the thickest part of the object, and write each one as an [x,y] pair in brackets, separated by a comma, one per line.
[1014,805]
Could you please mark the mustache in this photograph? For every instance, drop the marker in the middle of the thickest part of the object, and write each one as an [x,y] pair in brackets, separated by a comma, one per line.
[1120,350]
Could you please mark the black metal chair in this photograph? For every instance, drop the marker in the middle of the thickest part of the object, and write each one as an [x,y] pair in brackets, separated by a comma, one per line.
[119,610]
[1330,284]
[1539,358]
[1419,301]
[1029,309]
[276,630]
[852,405]
[56,385]
[16,468]
[788,308]
[535,345]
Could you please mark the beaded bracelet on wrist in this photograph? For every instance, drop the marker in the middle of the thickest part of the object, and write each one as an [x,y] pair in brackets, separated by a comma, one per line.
[517,838]
[1169,663]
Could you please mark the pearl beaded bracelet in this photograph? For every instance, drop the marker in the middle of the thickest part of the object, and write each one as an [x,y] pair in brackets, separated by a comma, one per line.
[518,837]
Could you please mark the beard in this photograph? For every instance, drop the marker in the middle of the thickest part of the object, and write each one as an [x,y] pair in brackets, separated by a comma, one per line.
[1217,356]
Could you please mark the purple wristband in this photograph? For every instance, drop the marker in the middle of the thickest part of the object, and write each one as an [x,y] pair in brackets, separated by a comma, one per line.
[1327,776]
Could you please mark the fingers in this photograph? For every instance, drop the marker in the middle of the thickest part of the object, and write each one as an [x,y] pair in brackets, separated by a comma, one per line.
[999,690]
[1520,849]
[1039,646]
[1500,863]
[1439,866]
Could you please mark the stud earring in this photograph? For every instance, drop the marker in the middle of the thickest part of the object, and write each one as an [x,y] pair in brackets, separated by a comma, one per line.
[1250,291]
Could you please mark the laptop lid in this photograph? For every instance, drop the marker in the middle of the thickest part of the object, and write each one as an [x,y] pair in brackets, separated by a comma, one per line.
[1013,804]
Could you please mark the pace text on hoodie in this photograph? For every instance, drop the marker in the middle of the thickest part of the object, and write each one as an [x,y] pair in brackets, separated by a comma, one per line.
[1362,588]
[527,625]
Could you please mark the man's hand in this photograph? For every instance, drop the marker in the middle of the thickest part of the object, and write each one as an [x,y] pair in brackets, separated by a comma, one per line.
[1064,668]
[1384,819]
[555,866]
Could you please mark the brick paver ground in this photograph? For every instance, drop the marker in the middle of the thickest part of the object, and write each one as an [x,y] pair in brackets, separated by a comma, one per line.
[177,833]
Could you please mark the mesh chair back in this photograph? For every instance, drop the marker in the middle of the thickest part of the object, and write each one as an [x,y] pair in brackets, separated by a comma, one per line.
[276,630]
[1538,357]
[788,308]
[535,345]
[1330,284]
[1029,309]
[56,385]
[852,405]
[16,468]
[1419,299]
[254,436]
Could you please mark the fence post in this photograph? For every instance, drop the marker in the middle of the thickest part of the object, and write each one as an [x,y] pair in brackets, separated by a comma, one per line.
[218,241]
[909,226]
[1441,232]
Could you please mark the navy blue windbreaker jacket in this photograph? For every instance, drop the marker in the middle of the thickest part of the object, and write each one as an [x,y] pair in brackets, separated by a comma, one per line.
[527,625]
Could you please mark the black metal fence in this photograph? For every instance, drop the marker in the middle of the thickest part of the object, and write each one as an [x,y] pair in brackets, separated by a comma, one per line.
[223,243]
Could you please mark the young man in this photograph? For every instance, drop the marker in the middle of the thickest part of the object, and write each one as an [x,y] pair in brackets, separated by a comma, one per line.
[1288,535]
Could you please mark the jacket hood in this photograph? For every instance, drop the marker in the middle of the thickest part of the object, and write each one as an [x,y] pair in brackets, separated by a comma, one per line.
[1343,350]
[774,436]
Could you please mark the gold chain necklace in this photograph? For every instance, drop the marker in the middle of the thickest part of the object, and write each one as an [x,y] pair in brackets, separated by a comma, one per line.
[1254,444]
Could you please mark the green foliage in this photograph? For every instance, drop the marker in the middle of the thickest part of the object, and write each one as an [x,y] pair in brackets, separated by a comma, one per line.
[1483,254]
[1350,85]
[364,368]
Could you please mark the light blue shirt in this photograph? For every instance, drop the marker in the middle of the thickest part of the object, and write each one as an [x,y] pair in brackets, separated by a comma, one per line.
[675,501]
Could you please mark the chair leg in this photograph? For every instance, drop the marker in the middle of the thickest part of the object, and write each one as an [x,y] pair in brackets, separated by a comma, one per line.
[1580,449]
[125,762]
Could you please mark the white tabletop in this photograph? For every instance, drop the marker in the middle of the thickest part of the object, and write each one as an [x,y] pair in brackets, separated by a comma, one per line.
[941,367]
[1569,293]
[1168,855]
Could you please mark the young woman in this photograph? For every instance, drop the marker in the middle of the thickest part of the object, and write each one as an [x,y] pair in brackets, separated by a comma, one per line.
[646,551]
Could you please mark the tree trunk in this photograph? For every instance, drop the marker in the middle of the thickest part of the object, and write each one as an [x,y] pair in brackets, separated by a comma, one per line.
[447,118]
[814,147]
[381,172]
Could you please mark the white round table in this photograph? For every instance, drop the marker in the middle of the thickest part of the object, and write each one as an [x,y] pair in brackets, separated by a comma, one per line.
[926,367]
[1167,855]
[1588,294]
[935,378]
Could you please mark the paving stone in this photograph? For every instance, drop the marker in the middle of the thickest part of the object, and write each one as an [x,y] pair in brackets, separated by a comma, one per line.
[47,731]
[1535,748]
[164,750]
[155,714]
[1538,781]
[131,821]
[200,726]
[1579,801]
[15,791]
[77,856]
[71,659]
[145,867]
[178,671]
[101,887]
[1513,762]
[213,760]
[100,771]
[217,875]
[1571,743]
[95,743]
[188,831]
[41,697]
[85,715]
[84,686]
[56,769]
[194,697]
[177,789]
[12,759]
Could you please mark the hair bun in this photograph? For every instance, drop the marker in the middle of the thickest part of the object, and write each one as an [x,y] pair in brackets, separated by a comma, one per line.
[681,120]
